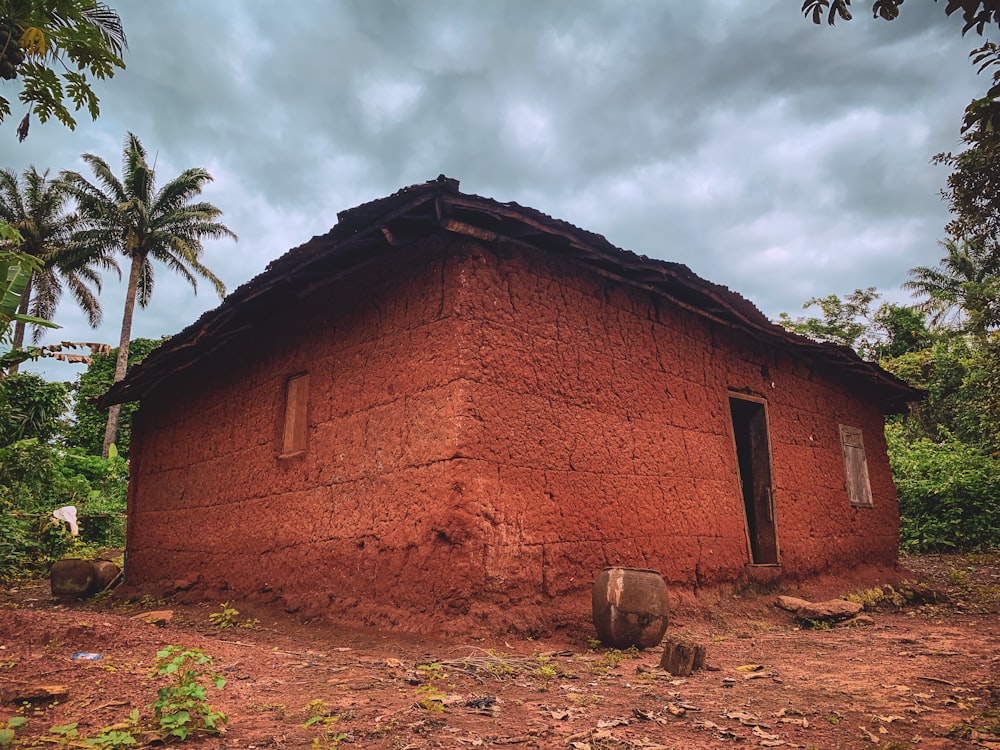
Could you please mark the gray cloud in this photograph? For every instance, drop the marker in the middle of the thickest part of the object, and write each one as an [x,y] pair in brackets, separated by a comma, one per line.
[779,158]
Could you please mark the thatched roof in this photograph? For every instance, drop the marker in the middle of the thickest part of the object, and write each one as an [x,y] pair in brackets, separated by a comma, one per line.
[420,210]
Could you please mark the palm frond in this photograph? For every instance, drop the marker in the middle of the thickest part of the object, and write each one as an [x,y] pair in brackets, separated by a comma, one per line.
[109,24]
[144,292]
[180,190]
[46,289]
[86,299]
[176,264]
[957,290]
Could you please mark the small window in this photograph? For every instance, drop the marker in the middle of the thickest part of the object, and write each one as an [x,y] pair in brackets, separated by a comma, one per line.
[296,425]
[859,489]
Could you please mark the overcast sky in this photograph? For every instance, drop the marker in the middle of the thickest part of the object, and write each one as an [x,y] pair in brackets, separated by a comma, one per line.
[782,159]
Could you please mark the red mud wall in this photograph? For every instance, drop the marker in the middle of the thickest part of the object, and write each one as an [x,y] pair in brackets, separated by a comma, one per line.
[487,429]
[599,421]
[364,514]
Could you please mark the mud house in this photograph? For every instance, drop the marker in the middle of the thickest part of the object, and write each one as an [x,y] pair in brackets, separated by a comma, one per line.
[452,407]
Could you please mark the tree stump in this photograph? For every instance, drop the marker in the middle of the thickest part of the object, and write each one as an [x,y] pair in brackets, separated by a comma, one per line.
[681,658]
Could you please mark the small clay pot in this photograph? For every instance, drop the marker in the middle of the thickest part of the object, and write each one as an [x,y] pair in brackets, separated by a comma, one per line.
[630,607]
[72,579]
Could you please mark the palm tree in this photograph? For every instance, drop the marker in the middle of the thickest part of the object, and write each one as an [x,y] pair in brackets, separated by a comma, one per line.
[130,216]
[964,284]
[36,207]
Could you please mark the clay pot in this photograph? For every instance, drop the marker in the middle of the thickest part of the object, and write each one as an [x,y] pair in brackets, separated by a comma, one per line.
[105,573]
[72,578]
[630,607]
[77,579]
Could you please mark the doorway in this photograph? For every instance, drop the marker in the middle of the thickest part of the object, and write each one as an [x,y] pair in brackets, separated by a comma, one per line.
[753,455]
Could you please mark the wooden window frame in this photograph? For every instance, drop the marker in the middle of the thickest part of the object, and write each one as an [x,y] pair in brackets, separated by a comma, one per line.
[856,479]
[295,432]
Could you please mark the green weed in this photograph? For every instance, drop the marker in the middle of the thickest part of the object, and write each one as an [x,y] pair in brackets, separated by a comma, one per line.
[498,665]
[181,707]
[614,656]
[7,733]
[63,735]
[817,625]
[320,716]
[225,618]
[545,671]
[430,696]
[109,739]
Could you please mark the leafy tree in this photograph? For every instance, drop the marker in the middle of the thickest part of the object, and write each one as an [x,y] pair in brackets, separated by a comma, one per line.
[844,321]
[964,288]
[16,269]
[39,37]
[960,373]
[36,207]
[947,493]
[132,217]
[35,479]
[943,371]
[981,114]
[887,331]
[983,380]
[973,192]
[904,330]
[38,475]
[34,408]
[89,422]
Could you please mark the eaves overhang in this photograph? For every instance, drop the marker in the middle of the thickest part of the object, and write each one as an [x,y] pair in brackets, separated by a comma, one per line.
[414,213]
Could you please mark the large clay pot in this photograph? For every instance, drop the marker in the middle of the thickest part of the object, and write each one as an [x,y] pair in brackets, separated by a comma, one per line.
[630,607]
[77,579]
[72,578]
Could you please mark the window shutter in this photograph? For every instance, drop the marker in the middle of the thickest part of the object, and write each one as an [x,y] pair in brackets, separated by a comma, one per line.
[859,489]
[296,401]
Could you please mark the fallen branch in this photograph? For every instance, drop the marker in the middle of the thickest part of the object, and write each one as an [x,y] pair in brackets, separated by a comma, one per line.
[937,680]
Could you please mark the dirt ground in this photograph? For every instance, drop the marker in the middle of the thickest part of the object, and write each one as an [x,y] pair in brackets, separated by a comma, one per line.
[922,676]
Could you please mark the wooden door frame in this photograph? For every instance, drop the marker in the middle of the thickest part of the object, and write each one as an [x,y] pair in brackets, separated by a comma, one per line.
[731,396]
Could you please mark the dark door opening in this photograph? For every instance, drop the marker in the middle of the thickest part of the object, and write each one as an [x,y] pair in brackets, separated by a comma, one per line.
[753,454]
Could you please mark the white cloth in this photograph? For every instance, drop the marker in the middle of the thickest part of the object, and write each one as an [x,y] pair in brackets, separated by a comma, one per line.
[67,513]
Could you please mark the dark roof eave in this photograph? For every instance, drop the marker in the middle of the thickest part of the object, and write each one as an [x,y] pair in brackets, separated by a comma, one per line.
[419,210]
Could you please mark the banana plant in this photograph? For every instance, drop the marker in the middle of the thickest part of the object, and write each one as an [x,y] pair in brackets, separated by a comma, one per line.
[15,271]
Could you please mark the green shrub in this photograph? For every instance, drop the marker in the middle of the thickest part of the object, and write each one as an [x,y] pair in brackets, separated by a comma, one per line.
[40,478]
[29,544]
[35,479]
[33,408]
[87,428]
[948,493]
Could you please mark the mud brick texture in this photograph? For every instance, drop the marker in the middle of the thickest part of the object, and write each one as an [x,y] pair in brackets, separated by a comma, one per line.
[489,425]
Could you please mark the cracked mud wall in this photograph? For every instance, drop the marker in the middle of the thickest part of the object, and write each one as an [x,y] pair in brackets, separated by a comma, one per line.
[598,417]
[366,518]
[488,427]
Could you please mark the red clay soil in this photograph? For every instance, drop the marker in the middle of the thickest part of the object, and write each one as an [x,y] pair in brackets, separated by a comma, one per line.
[924,676]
